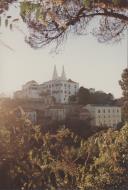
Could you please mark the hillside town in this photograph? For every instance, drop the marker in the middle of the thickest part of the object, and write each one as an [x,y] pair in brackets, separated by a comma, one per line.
[67,130]
[51,101]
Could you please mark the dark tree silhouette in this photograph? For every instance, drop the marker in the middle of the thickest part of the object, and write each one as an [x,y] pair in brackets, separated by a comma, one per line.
[52,20]
[124,85]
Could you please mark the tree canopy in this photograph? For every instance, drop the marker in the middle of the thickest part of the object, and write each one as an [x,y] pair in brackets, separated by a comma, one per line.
[124,85]
[52,20]
[85,96]
[32,159]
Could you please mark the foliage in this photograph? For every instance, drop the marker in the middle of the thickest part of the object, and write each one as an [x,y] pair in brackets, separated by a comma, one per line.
[84,96]
[53,20]
[4,5]
[30,159]
[124,85]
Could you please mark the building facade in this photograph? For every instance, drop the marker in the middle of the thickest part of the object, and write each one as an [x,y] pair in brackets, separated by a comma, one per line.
[60,88]
[104,115]
[57,113]
[32,91]
[29,90]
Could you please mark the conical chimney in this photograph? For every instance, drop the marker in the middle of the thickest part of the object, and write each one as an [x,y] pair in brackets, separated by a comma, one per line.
[63,75]
[55,75]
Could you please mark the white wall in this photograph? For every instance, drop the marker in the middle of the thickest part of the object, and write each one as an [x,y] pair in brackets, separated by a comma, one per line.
[61,89]
[105,115]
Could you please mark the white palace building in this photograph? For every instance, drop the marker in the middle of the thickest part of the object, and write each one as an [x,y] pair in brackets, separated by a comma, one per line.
[59,87]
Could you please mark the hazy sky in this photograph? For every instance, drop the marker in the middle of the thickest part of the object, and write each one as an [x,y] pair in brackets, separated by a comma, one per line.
[86,61]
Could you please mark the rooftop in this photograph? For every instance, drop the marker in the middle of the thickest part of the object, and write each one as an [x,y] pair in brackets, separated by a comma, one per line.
[31,82]
[103,105]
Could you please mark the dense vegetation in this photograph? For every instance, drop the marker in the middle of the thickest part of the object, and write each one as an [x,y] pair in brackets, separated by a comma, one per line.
[85,96]
[33,158]
[124,85]
[53,20]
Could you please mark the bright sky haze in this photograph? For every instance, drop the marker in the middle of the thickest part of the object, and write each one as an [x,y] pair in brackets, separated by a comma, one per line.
[92,64]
